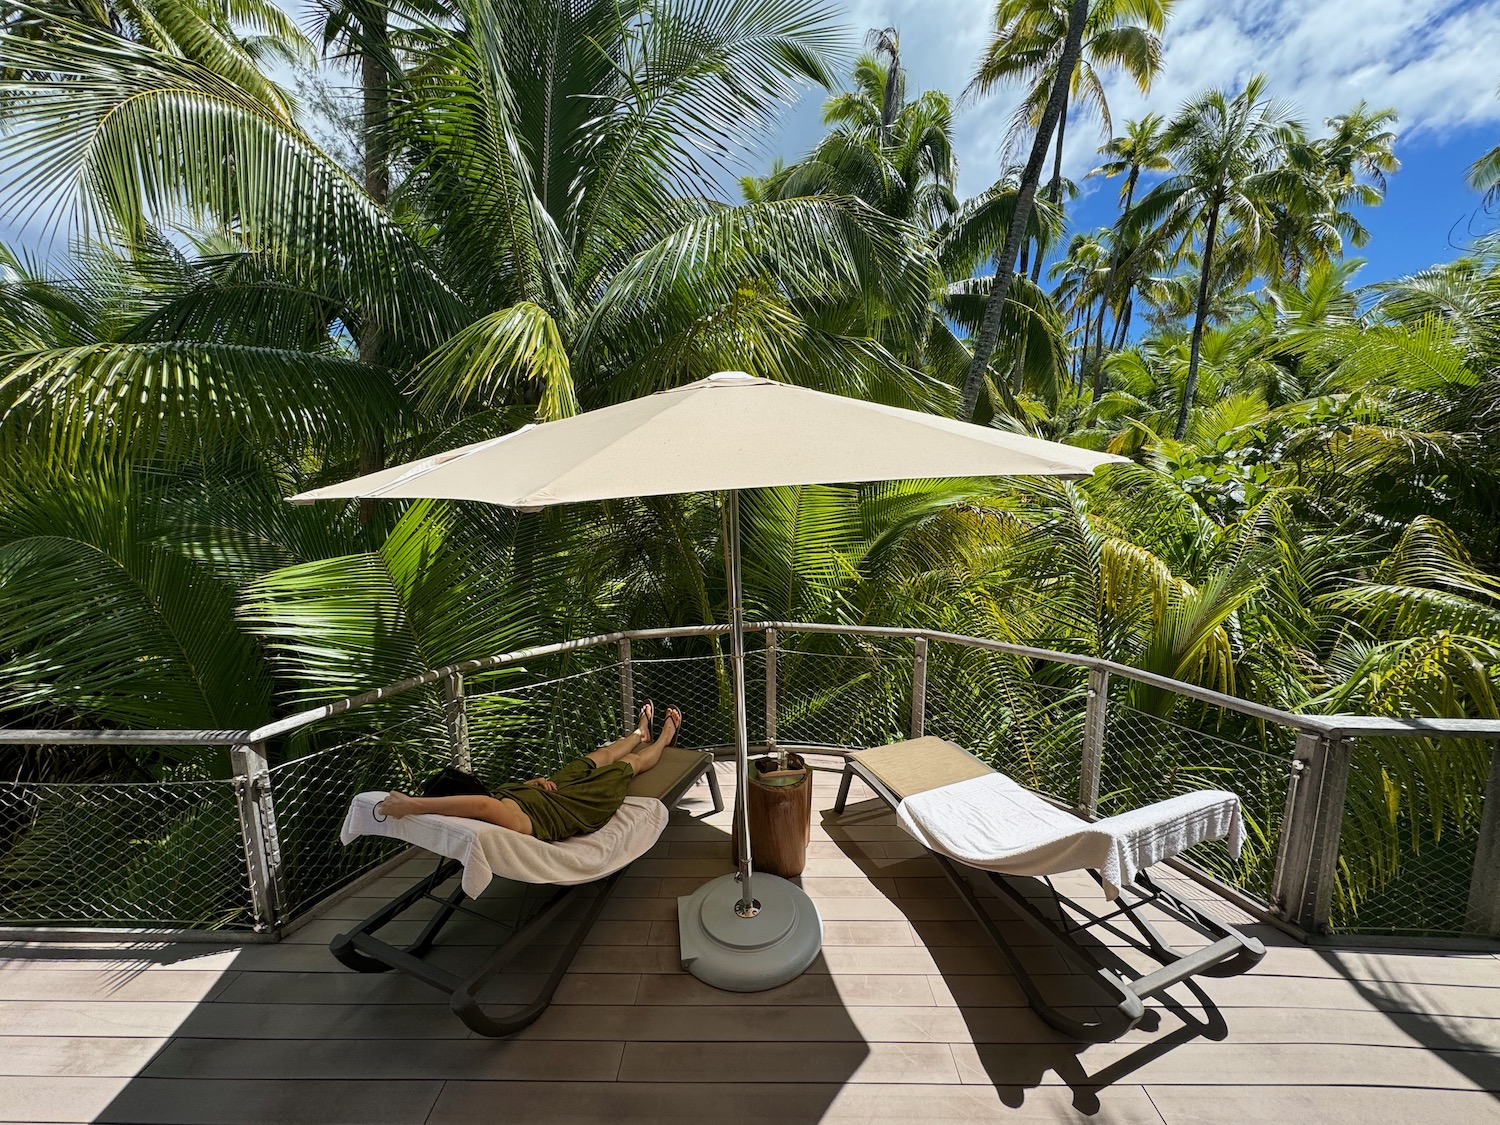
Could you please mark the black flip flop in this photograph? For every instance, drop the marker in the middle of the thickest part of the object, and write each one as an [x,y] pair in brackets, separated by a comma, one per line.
[681,719]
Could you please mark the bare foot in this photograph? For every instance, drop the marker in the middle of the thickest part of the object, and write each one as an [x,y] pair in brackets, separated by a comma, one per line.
[673,716]
[643,727]
[396,804]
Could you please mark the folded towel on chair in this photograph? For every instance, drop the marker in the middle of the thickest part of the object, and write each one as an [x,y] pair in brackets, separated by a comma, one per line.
[487,850]
[992,823]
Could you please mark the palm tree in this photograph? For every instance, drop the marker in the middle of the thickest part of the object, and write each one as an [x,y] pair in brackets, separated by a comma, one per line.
[1031,321]
[885,41]
[523,265]
[1312,217]
[1361,144]
[361,30]
[1026,47]
[1142,148]
[1228,150]
[907,170]
[238,41]
[1484,173]
[1082,279]
[989,327]
[900,162]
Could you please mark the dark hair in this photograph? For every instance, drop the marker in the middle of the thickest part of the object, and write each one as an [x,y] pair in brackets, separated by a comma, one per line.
[452,782]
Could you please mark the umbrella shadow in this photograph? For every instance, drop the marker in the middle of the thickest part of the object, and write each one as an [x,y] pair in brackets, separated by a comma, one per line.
[630,1036]
[1011,1045]
[1457,1040]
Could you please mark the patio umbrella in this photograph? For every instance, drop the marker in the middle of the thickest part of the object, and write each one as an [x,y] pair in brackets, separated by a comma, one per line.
[742,931]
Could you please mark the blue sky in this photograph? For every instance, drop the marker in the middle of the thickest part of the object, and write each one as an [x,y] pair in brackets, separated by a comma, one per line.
[1433,60]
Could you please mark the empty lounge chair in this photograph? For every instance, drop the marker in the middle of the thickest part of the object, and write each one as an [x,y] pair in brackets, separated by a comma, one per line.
[970,816]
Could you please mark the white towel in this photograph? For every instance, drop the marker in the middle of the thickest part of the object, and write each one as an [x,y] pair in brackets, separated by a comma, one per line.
[487,850]
[992,823]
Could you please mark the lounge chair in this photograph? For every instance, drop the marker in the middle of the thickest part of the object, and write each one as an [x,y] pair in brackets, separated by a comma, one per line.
[970,816]
[480,852]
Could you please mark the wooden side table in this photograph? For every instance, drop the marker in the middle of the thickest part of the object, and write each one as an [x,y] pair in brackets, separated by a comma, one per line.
[780,815]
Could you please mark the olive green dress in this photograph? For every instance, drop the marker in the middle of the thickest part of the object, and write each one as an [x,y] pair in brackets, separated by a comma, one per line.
[585,798]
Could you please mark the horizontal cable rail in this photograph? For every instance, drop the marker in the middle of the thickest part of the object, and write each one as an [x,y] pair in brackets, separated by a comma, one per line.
[123,737]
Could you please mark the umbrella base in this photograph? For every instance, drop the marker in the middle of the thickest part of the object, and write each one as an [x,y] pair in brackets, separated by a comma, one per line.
[748,954]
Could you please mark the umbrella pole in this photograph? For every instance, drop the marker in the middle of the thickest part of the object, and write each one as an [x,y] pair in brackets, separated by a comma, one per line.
[746,907]
[731,938]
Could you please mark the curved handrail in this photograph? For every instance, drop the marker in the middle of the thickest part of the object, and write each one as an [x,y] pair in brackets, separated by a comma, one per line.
[1332,726]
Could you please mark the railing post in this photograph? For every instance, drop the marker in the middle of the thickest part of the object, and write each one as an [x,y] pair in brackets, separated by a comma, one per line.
[252,785]
[456,719]
[1308,858]
[1095,712]
[919,688]
[627,684]
[771,696]
[1482,917]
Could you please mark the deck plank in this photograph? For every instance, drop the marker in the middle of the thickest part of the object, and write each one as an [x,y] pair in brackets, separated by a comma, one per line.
[166,1101]
[315,1056]
[739,1103]
[1326,1105]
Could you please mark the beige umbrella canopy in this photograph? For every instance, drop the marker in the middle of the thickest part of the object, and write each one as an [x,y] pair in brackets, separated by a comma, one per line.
[722,434]
[726,432]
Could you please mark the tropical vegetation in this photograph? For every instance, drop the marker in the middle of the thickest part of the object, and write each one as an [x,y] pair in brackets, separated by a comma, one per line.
[538,224]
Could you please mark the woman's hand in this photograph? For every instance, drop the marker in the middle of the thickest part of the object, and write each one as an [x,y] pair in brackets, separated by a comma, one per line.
[543,783]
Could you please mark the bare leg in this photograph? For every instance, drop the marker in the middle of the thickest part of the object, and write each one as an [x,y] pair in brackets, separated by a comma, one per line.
[644,758]
[502,811]
[641,736]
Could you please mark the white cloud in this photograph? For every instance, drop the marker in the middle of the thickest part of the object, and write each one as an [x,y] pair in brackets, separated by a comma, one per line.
[1435,62]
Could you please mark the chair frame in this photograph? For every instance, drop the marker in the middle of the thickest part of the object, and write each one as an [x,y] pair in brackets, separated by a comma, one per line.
[1228,954]
[362,951]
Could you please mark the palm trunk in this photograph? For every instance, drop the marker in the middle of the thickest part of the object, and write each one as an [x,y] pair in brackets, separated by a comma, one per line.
[1190,389]
[1083,335]
[892,86]
[1117,337]
[1054,189]
[374,83]
[989,327]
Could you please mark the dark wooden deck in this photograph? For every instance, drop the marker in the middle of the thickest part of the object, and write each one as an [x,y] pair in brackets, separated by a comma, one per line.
[907,1017]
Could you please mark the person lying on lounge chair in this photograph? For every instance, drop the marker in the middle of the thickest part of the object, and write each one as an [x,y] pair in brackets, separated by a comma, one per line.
[577,799]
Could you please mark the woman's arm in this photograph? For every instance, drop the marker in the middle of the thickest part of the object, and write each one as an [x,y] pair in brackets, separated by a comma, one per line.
[502,811]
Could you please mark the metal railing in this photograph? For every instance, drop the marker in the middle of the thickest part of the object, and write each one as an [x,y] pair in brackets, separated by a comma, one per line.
[241,832]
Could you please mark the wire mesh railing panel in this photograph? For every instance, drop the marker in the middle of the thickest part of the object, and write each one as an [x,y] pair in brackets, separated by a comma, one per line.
[1025,720]
[1149,758]
[529,727]
[1409,836]
[703,687]
[311,794]
[155,854]
[842,692]
[169,852]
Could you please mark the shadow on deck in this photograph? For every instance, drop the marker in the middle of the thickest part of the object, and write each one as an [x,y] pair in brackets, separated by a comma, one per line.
[907,1016]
